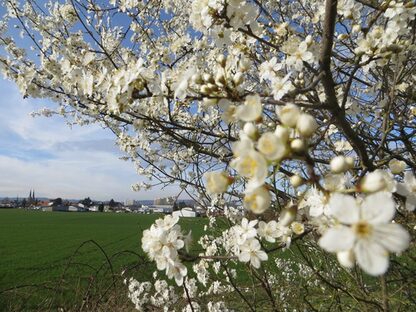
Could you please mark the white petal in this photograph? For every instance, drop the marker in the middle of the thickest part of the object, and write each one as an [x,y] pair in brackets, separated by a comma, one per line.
[255,262]
[402,189]
[378,208]
[346,258]
[262,255]
[409,178]
[179,280]
[344,208]
[244,256]
[336,239]
[411,203]
[371,257]
[392,237]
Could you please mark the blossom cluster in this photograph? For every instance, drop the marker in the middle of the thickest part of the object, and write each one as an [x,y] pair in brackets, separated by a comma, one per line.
[288,121]
[162,243]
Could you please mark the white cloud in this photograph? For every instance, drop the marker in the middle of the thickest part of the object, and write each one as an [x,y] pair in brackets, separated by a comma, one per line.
[59,161]
[73,175]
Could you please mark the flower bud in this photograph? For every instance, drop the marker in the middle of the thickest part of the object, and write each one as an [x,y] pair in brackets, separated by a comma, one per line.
[220,79]
[282,133]
[250,130]
[350,162]
[298,145]
[238,78]
[306,125]
[339,164]
[397,166]
[244,64]
[342,36]
[222,60]
[356,28]
[289,115]
[296,180]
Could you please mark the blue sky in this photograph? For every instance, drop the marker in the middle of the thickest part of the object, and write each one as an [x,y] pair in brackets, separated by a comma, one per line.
[59,161]
[56,160]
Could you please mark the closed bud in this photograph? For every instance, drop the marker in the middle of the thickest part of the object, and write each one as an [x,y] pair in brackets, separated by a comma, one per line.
[350,162]
[339,164]
[289,115]
[298,146]
[356,28]
[250,130]
[306,125]
[397,166]
[282,133]
[342,36]
[296,180]
[244,64]
[220,79]
[222,60]
[238,78]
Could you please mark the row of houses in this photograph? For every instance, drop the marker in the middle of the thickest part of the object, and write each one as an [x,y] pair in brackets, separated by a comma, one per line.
[165,209]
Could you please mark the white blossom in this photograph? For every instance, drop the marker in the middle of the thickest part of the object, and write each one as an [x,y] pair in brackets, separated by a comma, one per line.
[366,230]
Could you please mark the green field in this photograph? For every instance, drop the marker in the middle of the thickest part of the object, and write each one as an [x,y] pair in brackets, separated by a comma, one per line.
[52,259]
[68,261]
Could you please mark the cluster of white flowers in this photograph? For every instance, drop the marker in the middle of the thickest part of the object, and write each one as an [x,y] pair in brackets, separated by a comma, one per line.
[162,242]
[243,240]
[207,14]
[158,294]
[364,232]
[227,100]
[252,159]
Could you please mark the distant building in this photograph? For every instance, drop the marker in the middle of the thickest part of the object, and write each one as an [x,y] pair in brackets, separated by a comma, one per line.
[131,202]
[43,203]
[186,212]
[31,201]
[161,208]
[164,201]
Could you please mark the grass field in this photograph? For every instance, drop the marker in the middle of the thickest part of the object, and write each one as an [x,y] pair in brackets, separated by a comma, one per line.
[44,254]
[59,261]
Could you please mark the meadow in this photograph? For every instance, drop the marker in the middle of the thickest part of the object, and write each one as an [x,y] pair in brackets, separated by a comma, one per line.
[50,260]
[59,261]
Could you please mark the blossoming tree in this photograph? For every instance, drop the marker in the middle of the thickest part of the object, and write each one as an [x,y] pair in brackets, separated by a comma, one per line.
[299,111]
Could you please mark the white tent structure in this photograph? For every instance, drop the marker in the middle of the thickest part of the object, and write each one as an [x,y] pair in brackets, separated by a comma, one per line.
[186,212]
